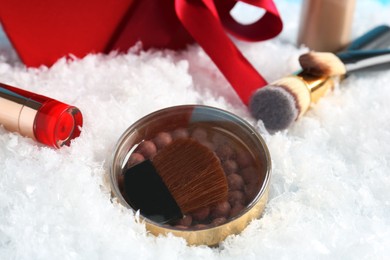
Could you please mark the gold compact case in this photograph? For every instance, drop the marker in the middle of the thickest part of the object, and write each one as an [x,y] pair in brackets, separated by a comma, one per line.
[242,153]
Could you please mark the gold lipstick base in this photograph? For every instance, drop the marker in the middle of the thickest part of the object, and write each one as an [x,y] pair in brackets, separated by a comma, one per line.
[16,117]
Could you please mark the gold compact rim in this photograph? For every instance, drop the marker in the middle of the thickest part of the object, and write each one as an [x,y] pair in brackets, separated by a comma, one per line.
[210,236]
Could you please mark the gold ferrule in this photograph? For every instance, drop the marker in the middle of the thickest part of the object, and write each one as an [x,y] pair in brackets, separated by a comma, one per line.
[317,86]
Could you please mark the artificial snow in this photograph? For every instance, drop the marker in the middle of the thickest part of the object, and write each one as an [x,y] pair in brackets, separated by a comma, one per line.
[330,185]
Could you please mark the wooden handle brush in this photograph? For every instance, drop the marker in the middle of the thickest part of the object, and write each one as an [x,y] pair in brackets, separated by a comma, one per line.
[281,103]
[330,64]
[183,177]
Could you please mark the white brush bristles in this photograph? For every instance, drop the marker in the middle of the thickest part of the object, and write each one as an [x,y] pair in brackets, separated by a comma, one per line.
[322,64]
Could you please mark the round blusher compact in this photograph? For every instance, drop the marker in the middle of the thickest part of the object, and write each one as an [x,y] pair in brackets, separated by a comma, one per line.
[242,154]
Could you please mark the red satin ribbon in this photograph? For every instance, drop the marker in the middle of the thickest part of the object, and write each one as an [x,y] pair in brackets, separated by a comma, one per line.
[206,21]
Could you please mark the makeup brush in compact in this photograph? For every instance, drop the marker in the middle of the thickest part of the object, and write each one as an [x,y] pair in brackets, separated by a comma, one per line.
[330,64]
[281,103]
[181,178]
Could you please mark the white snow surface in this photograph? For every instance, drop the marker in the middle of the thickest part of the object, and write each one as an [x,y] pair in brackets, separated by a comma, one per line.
[330,185]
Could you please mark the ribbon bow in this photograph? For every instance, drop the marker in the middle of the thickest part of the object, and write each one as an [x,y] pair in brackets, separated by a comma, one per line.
[44,31]
[207,20]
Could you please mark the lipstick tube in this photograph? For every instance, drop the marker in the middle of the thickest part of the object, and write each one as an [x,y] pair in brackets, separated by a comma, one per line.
[43,119]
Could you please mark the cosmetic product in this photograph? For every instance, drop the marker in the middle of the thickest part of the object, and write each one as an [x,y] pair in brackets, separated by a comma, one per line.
[325,25]
[279,107]
[239,149]
[281,103]
[277,116]
[329,64]
[43,119]
[157,186]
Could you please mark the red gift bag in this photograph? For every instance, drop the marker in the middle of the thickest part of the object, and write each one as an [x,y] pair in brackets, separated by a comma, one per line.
[43,31]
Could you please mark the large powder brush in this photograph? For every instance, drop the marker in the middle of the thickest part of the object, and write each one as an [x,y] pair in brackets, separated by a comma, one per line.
[181,178]
[281,103]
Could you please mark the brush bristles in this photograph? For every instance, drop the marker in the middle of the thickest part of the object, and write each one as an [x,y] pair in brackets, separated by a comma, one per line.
[322,64]
[192,173]
[281,103]
[298,89]
[275,107]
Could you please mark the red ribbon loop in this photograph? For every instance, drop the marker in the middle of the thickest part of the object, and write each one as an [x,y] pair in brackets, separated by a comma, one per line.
[206,21]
